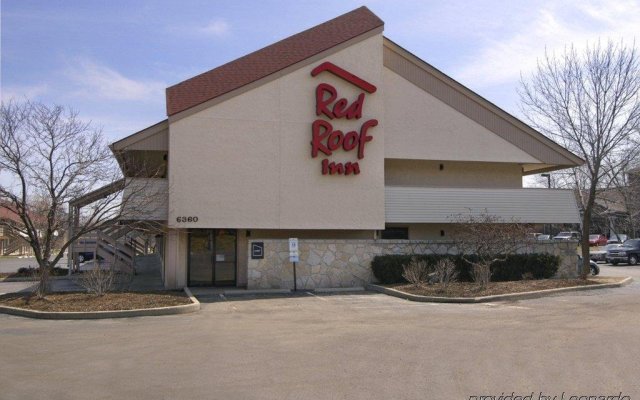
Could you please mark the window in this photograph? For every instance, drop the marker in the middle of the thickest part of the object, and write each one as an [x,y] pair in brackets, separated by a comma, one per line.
[395,233]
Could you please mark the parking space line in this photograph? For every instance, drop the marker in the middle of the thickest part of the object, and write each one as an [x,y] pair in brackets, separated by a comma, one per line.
[316,296]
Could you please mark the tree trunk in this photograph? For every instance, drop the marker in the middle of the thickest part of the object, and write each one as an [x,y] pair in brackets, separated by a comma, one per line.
[584,242]
[44,280]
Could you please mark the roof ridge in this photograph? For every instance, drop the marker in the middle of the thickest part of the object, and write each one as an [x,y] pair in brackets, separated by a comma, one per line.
[270,59]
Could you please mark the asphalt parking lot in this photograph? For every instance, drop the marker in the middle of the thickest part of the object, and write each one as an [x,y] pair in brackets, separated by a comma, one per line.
[351,346]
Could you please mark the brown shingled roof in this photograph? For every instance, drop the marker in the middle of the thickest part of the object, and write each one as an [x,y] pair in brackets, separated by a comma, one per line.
[270,59]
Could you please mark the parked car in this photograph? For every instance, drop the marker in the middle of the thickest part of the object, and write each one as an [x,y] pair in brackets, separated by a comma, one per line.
[533,236]
[573,235]
[543,237]
[601,255]
[628,253]
[87,256]
[597,240]
[617,239]
[595,269]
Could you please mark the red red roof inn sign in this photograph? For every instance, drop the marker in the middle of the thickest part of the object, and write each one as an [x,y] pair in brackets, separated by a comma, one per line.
[325,139]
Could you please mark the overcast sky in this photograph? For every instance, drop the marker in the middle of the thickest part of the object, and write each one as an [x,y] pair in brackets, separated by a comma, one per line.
[112,59]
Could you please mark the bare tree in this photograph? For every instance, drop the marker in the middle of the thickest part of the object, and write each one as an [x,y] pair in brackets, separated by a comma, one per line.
[482,239]
[625,190]
[48,158]
[590,103]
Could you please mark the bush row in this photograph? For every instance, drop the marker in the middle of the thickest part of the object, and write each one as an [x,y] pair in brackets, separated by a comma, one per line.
[389,268]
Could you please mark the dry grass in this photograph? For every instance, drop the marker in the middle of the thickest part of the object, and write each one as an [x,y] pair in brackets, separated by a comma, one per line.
[61,302]
[469,289]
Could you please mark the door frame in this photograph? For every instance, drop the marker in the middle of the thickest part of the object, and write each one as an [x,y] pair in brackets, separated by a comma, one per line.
[213,231]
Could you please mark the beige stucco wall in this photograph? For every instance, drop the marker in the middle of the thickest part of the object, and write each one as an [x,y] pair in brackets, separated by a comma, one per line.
[419,126]
[423,173]
[246,162]
[311,234]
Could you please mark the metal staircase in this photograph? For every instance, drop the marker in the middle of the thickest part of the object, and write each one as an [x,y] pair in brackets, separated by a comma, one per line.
[114,248]
[18,245]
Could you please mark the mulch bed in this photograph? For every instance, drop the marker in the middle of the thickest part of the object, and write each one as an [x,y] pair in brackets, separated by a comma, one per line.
[469,289]
[65,302]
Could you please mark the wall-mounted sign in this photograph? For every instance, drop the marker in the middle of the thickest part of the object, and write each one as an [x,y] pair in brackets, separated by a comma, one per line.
[257,250]
[329,105]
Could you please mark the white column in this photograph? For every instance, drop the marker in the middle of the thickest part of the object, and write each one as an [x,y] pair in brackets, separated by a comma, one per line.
[176,251]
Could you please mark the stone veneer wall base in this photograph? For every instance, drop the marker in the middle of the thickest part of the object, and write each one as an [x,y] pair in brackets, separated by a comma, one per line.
[347,263]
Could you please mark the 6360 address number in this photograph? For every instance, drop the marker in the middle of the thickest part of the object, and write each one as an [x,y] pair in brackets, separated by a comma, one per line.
[186,219]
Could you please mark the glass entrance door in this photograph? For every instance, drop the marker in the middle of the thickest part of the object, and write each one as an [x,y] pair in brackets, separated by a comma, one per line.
[200,257]
[212,257]
[224,264]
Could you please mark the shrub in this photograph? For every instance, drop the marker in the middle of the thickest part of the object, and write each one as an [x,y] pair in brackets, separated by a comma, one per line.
[98,281]
[389,268]
[539,265]
[445,272]
[417,271]
[31,271]
[26,271]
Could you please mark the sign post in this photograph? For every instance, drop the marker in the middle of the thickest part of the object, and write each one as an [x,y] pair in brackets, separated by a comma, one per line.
[294,258]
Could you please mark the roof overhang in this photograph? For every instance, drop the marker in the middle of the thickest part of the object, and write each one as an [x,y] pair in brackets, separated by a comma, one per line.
[135,142]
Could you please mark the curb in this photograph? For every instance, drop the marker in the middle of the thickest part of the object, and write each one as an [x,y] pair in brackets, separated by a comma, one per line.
[498,297]
[143,312]
[253,292]
[249,292]
[339,289]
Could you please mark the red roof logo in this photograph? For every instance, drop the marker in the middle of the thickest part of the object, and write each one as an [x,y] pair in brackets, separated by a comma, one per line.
[346,75]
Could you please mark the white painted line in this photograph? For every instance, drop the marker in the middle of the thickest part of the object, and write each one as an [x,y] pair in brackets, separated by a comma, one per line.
[340,289]
[316,296]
